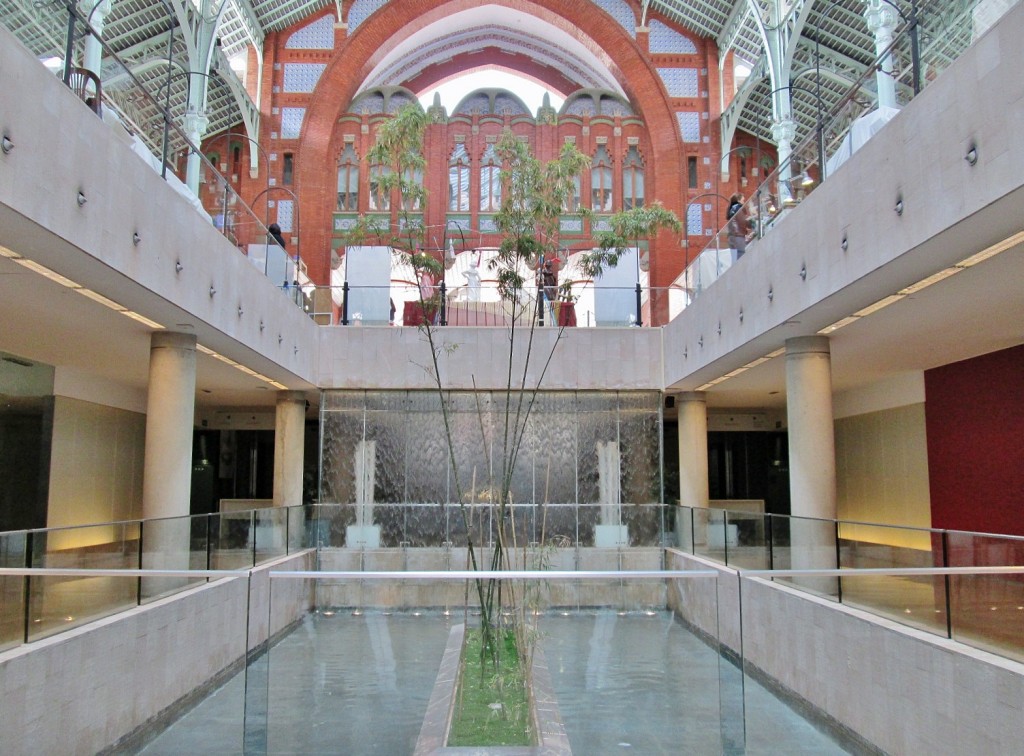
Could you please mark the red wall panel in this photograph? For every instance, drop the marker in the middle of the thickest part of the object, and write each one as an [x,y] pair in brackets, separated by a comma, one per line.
[975,425]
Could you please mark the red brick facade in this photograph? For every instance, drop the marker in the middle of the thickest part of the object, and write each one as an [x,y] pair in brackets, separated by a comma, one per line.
[676,170]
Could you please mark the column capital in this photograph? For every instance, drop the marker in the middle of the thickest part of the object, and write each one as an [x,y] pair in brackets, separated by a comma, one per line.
[173,340]
[196,123]
[286,397]
[691,396]
[808,345]
[881,19]
[784,130]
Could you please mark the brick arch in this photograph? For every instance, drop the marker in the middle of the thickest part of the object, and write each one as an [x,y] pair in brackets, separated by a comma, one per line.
[493,57]
[352,63]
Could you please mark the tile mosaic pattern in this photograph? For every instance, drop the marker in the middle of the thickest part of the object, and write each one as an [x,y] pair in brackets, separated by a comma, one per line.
[689,126]
[621,12]
[695,219]
[362,10]
[291,122]
[302,77]
[318,35]
[285,212]
[680,82]
[664,39]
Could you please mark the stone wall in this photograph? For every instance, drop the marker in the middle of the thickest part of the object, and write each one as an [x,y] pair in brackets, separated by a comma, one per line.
[89,688]
[901,689]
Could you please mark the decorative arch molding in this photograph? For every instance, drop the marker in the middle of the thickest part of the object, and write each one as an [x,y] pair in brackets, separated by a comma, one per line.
[491,102]
[596,102]
[382,100]
[606,39]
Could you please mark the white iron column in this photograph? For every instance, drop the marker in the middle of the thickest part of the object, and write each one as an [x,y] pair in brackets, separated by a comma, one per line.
[196,124]
[693,448]
[93,53]
[882,20]
[812,456]
[289,444]
[784,132]
[170,407]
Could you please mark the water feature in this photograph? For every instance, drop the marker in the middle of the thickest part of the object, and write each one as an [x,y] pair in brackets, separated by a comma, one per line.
[386,448]
[627,682]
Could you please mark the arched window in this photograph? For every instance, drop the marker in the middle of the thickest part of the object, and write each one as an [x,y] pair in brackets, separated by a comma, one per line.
[490,181]
[348,179]
[601,181]
[288,172]
[458,179]
[632,179]
[380,195]
[412,201]
[572,204]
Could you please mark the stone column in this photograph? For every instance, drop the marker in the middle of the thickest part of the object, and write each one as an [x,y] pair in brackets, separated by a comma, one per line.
[289,443]
[691,528]
[170,407]
[882,19]
[812,457]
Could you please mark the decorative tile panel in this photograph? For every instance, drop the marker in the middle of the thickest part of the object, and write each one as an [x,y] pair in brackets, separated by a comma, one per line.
[664,39]
[581,106]
[505,105]
[318,35]
[680,82]
[621,12]
[689,126]
[285,210]
[291,122]
[570,225]
[398,101]
[362,10]
[695,220]
[302,77]
[479,103]
[602,224]
[370,104]
[344,224]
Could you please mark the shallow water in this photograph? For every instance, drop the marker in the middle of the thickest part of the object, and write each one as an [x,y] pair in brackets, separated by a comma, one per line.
[626,683]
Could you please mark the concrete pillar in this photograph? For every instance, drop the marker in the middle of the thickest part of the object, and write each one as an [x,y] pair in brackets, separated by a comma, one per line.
[693,448]
[812,459]
[812,445]
[170,407]
[289,442]
[882,20]
[692,525]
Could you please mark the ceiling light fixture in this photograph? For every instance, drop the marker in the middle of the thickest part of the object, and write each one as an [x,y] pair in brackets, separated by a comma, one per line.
[892,298]
[1007,243]
[6,145]
[81,199]
[46,272]
[142,319]
[934,278]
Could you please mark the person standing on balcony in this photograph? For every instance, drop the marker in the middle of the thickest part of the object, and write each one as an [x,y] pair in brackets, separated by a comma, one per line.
[739,224]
